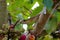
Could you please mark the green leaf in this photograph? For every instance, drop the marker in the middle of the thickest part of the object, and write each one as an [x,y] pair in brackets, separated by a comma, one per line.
[58,16]
[40,2]
[31,1]
[48,4]
[30,27]
[19,16]
[40,38]
[37,11]
[19,27]
[51,25]
[48,37]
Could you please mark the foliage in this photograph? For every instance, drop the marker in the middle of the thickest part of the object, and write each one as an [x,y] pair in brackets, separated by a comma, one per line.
[52,24]
[21,9]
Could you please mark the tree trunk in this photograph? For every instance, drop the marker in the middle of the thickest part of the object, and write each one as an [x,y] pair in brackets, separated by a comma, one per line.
[3,12]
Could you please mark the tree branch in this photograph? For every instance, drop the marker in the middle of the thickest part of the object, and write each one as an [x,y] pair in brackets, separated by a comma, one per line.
[16,23]
[33,19]
[42,21]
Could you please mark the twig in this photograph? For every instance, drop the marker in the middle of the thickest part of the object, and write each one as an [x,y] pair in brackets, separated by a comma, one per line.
[16,23]
[33,19]
[9,18]
[54,8]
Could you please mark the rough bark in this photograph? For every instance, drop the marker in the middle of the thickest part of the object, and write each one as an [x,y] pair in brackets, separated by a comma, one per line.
[3,12]
[40,24]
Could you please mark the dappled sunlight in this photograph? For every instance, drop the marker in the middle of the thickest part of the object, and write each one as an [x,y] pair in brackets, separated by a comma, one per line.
[29,19]
[35,5]
[7,4]
[25,26]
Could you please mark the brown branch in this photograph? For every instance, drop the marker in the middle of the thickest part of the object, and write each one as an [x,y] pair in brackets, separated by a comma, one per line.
[42,21]
[33,19]
[58,4]
[16,23]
